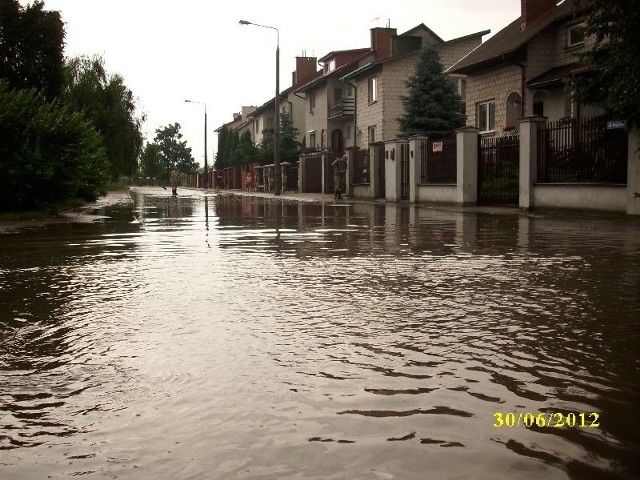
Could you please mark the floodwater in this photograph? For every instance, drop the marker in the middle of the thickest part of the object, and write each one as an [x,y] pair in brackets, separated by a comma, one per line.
[226,337]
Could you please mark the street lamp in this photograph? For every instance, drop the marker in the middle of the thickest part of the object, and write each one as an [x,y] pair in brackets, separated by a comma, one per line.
[276,119]
[206,168]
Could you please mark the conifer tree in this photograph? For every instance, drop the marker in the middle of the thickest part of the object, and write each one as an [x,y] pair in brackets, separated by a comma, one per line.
[431,107]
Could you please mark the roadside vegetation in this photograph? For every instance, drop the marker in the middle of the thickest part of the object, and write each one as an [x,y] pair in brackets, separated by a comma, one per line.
[69,128]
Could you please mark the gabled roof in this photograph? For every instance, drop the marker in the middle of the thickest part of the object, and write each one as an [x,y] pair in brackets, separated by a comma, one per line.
[508,41]
[374,66]
[339,72]
[422,26]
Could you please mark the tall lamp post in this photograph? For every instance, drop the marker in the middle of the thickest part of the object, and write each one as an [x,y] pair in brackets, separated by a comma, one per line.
[206,167]
[276,118]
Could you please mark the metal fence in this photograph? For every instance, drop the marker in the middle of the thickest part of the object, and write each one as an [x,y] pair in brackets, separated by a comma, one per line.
[498,169]
[438,160]
[404,171]
[590,150]
[361,166]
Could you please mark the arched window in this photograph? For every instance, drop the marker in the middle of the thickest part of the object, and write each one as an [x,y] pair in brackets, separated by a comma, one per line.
[514,111]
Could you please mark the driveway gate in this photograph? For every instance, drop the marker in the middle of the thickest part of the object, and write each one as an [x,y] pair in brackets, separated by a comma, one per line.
[498,170]
[404,171]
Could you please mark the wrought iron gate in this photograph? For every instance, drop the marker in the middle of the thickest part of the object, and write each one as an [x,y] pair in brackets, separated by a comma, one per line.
[404,171]
[498,170]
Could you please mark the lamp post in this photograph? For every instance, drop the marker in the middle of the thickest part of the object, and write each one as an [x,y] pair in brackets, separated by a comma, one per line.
[206,167]
[276,118]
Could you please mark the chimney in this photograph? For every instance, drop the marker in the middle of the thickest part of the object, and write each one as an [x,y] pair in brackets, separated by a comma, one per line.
[381,41]
[305,69]
[531,10]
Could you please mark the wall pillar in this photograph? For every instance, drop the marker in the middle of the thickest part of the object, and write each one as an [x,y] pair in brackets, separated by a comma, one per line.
[633,172]
[528,159]
[392,171]
[467,165]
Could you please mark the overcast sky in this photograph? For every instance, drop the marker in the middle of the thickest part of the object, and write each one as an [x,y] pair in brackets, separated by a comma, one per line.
[169,51]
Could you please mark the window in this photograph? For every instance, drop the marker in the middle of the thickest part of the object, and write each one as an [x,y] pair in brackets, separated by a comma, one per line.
[349,91]
[269,123]
[372,89]
[372,134]
[487,116]
[332,65]
[575,35]
[538,108]
[312,101]
[312,139]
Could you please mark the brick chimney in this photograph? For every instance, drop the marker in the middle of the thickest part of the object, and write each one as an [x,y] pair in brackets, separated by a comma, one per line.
[381,41]
[531,10]
[306,68]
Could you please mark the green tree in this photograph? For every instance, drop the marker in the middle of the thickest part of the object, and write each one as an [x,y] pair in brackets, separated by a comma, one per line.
[289,145]
[151,162]
[49,154]
[431,107]
[223,137]
[174,150]
[110,106]
[245,152]
[31,47]
[615,83]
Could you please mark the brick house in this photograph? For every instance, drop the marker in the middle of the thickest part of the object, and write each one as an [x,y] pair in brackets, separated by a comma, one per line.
[380,84]
[330,101]
[524,69]
[262,119]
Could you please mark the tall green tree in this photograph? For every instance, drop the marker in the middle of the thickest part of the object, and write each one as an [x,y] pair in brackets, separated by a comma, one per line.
[431,107]
[615,83]
[31,47]
[289,145]
[152,162]
[110,106]
[245,152]
[221,161]
[49,154]
[174,150]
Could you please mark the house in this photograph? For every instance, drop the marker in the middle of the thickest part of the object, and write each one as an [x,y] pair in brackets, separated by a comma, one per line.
[380,83]
[262,119]
[525,68]
[330,102]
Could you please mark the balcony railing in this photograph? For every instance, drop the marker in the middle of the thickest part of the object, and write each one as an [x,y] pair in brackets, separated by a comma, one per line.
[344,106]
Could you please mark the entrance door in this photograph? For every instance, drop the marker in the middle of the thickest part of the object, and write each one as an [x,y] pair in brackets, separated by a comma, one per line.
[337,145]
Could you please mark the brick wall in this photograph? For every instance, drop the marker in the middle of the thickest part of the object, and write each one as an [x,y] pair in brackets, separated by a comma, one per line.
[492,84]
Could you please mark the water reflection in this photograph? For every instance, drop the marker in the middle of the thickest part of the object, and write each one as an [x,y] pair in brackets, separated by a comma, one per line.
[233,336]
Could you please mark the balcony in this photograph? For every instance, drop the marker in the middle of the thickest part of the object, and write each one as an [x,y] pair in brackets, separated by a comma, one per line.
[342,107]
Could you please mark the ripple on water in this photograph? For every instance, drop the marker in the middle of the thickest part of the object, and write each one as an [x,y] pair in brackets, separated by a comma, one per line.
[201,342]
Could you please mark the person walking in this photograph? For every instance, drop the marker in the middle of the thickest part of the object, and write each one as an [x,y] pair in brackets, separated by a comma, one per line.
[174,181]
[339,169]
[248,182]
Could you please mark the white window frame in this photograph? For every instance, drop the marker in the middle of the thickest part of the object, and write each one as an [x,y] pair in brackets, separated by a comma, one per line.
[572,31]
[312,101]
[372,90]
[483,109]
[371,134]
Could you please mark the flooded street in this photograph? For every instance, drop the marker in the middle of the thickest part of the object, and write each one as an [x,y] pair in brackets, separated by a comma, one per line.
[223,337]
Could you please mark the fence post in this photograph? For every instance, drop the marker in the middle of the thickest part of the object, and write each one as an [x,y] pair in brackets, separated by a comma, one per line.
[415,166]
[633,172]
[393,173]
[467,165]
[528,159]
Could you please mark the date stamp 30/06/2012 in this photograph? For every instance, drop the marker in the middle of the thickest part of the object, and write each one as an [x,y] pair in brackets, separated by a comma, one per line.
[546,420]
